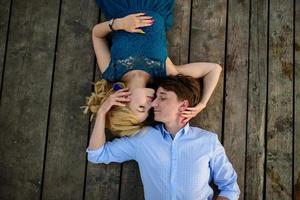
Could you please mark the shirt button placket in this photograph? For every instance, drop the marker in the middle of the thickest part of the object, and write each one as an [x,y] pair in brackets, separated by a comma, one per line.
[173,170]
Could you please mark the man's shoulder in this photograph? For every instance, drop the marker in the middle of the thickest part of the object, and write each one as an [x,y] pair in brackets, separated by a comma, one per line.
[145,131]
[203,133]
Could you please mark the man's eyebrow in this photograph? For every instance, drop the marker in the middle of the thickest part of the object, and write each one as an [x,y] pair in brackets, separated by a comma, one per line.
[162,93]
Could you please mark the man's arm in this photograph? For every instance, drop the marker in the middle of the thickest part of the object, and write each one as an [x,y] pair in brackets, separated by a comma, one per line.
[119,150]
[223,173]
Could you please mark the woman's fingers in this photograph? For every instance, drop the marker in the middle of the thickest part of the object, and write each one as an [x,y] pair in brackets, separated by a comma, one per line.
[187,112]
[119,104]
[191,109]
[123,99]
[139,31]
[139,14]
[145,18]
[122,93]
[122,90]
[144,23]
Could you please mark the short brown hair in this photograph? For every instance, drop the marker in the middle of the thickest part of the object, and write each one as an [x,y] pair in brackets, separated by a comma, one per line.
[185,87]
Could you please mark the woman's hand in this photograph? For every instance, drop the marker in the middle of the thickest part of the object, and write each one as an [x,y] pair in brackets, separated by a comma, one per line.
[118,98]
[134,22]
[191,112]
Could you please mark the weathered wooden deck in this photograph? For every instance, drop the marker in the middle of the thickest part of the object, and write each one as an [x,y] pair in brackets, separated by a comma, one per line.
[47,61]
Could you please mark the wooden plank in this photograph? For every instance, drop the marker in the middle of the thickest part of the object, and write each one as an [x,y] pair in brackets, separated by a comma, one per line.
[208,45]
[102,181]
[178,36]
[257,95]
[25,97]
[280,99]
[236,77]
[208,29]
[178,39]
[4,24]
[68,126]
[297,104]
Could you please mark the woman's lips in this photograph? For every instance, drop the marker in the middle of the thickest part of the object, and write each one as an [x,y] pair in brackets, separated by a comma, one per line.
[150,98]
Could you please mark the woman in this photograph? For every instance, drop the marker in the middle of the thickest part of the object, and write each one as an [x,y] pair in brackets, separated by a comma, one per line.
[137,55]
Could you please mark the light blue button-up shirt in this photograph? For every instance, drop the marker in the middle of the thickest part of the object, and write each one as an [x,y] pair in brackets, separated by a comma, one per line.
[179,168]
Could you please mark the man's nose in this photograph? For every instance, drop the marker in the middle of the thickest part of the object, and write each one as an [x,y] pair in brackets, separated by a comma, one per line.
[154,103]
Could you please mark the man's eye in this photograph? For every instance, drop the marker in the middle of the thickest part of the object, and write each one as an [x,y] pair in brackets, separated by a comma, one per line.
[162,98]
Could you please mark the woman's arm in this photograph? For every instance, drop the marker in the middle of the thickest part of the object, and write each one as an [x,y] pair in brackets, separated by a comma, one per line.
[210,73]
[131,23]
[98,138]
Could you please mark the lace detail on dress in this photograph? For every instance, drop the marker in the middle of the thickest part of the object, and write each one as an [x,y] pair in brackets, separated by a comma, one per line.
[131,61]
[118,67]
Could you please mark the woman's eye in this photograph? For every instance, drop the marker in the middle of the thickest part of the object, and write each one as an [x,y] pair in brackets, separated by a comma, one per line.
[142,108]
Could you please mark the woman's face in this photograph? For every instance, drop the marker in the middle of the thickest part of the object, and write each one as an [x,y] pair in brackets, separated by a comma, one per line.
[140,104]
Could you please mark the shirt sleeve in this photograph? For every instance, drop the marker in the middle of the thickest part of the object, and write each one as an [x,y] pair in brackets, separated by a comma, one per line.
[223,173]
[119,150]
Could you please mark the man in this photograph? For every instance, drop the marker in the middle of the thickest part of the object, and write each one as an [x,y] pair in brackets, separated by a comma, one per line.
[176,161]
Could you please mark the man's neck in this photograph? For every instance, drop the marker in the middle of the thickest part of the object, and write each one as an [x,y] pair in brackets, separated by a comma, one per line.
[174,127]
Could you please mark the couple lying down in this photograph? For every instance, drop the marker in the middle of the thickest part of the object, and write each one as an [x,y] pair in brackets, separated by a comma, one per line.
[176,161]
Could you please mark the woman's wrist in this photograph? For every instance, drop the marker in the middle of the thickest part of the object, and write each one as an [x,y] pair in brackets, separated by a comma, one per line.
[101,113]
[117,25]
[202,104]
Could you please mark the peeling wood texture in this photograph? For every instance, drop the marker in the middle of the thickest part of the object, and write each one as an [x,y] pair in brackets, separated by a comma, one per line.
[279,155]
[5,6]
[26,96]
[236,78]
[68,127]
[47,63]
[257,97]
[297,104]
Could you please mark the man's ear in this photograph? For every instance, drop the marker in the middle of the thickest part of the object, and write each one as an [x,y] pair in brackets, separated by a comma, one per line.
[184,104]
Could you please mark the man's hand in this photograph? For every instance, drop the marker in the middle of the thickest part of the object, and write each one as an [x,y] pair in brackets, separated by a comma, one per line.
[133,23]
[119,98]
[191,112]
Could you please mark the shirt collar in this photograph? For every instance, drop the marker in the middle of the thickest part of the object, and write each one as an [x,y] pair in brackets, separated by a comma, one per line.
[184,130]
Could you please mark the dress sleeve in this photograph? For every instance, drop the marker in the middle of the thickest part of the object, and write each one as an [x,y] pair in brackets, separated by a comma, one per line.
[223,174]
[119,150]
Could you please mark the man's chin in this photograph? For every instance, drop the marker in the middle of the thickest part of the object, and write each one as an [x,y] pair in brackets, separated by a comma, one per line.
[157,118]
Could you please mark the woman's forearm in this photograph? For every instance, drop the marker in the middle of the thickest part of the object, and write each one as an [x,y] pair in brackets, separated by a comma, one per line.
[102,29]
[98,138]
[210,81]
[101,47]
[210,72]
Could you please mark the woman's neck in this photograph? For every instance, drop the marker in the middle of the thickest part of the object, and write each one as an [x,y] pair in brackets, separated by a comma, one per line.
[136,79]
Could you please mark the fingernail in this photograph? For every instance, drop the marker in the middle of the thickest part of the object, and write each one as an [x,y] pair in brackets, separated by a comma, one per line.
[143,32]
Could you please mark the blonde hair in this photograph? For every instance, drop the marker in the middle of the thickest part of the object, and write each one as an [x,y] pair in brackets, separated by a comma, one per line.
[119,120]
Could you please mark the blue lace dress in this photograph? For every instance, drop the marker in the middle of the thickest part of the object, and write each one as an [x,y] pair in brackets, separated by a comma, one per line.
[135,51]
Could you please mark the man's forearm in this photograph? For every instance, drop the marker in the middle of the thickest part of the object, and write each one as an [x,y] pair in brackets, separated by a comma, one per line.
[98,138]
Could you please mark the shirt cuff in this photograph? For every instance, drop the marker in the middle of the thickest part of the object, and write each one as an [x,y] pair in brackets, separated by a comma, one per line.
[229,195]
[95,151]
